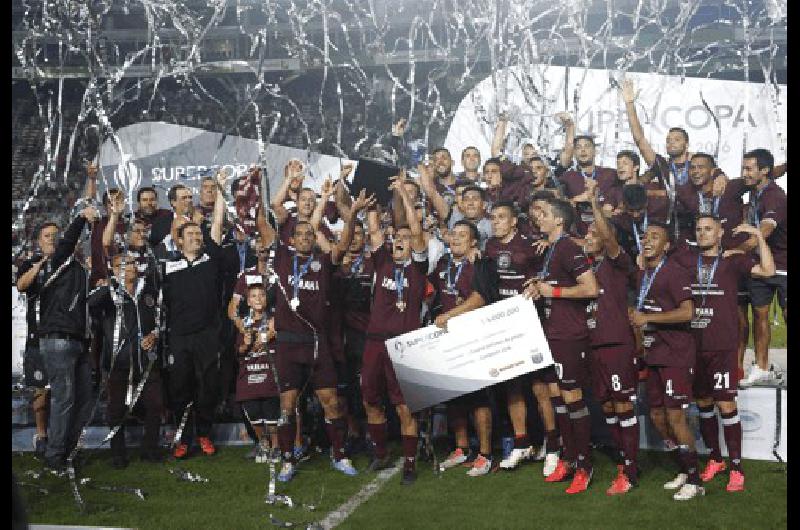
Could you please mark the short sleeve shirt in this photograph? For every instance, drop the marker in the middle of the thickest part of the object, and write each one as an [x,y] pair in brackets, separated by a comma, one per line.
[386,318]
[771,204]
[313,290]
[516,261]
[672,344]
[608,313]
[564,318]
[452,280]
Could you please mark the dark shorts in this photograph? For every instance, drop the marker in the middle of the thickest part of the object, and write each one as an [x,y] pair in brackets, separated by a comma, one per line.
[715,375]
[614,372]
[377,375]
[262,410]
[295,364]
[669,386]
[33,365]
[572,358]
[762,290]
[344,377]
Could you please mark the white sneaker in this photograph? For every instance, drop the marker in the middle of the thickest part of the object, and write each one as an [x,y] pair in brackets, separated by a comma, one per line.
[756,375]
[541,454]
[689,491]
[481,466]
[455,458]
[677,482]
[550,464]
[516,456]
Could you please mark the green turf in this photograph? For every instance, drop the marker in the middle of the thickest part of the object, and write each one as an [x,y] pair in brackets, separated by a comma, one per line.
[520,499]
[777,333]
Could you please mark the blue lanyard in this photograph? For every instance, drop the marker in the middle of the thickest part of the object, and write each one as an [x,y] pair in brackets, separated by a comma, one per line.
[683,176]
[356,264]
[636,232]
[594,173]
[707,285]
[702,204]
[242,249]
[647,282]
[754,205]
[399,277]
[298,275]
[550,251]
[451,283]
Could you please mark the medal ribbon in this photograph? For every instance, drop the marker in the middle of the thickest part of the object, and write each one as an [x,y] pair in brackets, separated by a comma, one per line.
[298,274]
[636,232]
[706,285]
[647,282]
[549,256]
[702,202]
[356,264]
[683,176]
[451,283]
[754,205]
[399,277]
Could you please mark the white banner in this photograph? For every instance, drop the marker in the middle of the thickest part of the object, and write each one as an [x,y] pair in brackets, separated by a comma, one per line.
[750,115]
[162,155]
[19,329]
[481,348]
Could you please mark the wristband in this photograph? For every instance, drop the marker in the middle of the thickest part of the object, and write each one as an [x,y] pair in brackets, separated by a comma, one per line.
[556,292]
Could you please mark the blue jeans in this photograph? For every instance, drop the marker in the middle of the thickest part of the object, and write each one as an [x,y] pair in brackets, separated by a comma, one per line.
[70,378]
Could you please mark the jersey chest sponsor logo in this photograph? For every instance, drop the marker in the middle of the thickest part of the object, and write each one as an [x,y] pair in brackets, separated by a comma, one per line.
[503,260]
[306,285]
[253,279]
[175,266]
[389,283]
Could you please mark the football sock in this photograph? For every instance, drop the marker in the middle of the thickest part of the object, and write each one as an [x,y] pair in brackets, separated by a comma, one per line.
[689,460]
[377,433]
[286,434]
[710,431]
[564,428]
[581,432]
[732,429]
[629,436]
[409,450]
[616,433]
[521,441]
[553,443]
[335,430]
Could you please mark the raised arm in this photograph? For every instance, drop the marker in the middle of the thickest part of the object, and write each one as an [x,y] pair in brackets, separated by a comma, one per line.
[90,189]
[264,229]
[629,96]
[601,224]
[418,244]
[292,170]
[116,205]
[427,184]
[341,195]
[218,216]
[361,202]
[565,157]
[499,138]
[374,229]
[766,267]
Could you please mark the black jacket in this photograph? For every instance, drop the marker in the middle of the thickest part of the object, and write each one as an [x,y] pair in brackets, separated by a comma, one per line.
[63,301]
[102,307]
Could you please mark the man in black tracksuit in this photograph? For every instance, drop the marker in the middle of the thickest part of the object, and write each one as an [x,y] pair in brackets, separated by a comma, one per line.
[137,342]
[62,341]
[191,291]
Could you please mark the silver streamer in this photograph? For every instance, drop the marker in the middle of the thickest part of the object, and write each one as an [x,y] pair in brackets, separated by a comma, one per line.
[187,476]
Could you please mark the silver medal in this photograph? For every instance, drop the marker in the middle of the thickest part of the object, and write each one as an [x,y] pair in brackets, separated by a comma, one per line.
[592,323]
[401,305]
[316,266]
[294,303]
[648,340]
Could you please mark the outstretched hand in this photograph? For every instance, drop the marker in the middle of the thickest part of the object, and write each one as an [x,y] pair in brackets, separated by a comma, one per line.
[363,202]
[629,92]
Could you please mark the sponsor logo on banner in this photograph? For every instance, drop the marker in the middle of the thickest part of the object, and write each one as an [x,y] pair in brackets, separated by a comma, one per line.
[751,421]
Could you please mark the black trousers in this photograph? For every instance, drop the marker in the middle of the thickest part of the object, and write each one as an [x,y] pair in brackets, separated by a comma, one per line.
[150,401]
[194,375]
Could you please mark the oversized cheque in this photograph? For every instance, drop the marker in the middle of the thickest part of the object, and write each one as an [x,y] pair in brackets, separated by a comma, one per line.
[480,348]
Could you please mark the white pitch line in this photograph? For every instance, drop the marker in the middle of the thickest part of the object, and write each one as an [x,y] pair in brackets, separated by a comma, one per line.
[338,515]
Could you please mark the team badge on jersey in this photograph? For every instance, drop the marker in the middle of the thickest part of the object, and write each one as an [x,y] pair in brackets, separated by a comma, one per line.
[503,260]
[316,266]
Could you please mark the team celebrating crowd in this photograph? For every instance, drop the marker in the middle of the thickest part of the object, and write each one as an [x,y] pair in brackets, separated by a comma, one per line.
[635,275]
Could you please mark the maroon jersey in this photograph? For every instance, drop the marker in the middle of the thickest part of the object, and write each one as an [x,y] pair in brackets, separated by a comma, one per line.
[770,203]
[149,219]
[516,185]
[728,208]
[287,229]
[575,183]
[564,318]
[516,262]
[355,282]
[452,279]
[386,319]
[715,298]
[206,211]
[313,291]
[667,344]
[608,313]
[255,379]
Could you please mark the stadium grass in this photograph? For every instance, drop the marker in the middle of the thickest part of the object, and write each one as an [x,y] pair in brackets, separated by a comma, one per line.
[234,497]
